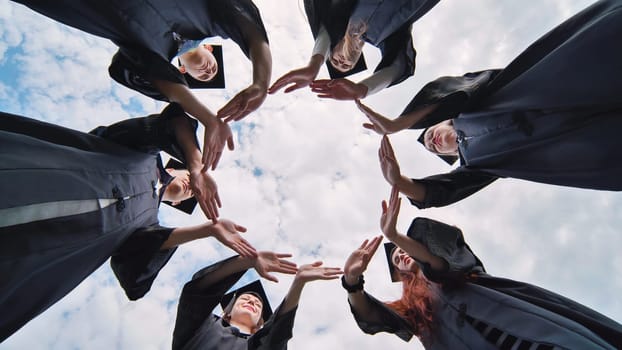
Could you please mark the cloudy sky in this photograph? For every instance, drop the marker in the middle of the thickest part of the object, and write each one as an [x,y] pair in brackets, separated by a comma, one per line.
[304,177]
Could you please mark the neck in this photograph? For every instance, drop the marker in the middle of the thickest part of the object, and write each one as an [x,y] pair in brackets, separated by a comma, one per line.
[244,328]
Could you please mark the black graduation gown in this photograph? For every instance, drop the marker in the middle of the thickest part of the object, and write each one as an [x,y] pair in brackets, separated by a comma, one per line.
[197,328]
[468,298]
[553,115]
[41,261]
[389,27]
[143,30]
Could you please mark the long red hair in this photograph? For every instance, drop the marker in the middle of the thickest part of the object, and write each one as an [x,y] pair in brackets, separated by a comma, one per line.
[416,305]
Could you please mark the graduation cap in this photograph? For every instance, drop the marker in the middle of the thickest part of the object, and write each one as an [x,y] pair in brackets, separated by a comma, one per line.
[416,226]
[188,205]
[255,288]
[448,158]
[334,73]
[218,82]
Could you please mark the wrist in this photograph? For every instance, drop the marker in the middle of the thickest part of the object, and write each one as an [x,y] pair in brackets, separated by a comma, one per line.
[352,286]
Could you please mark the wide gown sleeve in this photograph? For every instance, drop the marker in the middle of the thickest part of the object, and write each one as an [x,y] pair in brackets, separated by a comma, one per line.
[150,134]
[138,261]
[445,189]
[275,333]
[381,319]
[452,95]
[446,242]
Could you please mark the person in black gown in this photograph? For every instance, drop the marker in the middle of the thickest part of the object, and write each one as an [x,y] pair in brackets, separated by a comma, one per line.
[244,324]
[551,116]
[71,200]
[152,33]
[340,29]
[450,302]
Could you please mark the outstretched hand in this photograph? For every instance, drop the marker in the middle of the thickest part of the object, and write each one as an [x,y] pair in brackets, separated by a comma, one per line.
[216,135]
[267,262]
[205,191]
[379,123]
[388,164]
[357,262]
[315,271]
[245,102]
[300,78]
[339,89]
[390,212]
[228,233]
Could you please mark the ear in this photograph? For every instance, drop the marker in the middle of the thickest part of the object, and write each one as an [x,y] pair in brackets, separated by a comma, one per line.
[208,47]
[182,69]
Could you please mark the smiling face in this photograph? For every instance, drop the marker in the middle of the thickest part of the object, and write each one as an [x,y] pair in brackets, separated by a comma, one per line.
[441,139]
[402,261]
[247,309]
[200,63]
[179,188]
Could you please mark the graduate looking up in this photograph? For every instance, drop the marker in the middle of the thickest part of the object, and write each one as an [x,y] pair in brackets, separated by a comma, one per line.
[449,301]
[152,34]
[247,322]
[534,120]
[340,29]
[72,200]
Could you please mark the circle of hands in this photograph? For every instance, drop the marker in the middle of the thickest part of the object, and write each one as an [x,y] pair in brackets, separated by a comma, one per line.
[219,134]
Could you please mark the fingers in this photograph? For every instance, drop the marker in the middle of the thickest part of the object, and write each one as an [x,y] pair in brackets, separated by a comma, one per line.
[296,86]
[217,199]
[363,244]
[281,82]
[270,277]
[239,228]
[375,243]
[283,255]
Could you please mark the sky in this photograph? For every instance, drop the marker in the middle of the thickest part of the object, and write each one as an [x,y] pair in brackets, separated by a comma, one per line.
[304,177]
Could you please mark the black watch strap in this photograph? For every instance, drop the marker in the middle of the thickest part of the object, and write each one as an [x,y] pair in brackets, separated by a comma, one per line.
[353,288]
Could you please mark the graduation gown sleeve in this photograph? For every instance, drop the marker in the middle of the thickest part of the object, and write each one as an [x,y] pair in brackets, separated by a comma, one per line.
[275,333]
[452,94]
[448,188]
[382,319]
[138,261]
[150,134]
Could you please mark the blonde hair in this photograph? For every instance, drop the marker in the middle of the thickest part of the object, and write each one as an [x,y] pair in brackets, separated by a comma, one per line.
[351,45]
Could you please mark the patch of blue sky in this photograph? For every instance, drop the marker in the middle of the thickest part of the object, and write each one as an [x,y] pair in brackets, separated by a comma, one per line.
[257,172]
[134,107]
[9,76]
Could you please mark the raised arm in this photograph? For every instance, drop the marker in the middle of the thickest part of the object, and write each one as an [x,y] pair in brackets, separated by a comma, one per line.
[203,185]
[217,133]
[225,231]
[388,221]
[249,99]
[392,173]
[354,267]
[384,126]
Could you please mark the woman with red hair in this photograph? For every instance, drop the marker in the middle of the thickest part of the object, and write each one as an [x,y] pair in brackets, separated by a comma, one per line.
[449,302]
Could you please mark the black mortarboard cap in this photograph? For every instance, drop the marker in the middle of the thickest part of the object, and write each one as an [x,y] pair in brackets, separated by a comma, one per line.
[389,247]
[218,82]
[255,288]
[449,159]
[188,205]
[336,74]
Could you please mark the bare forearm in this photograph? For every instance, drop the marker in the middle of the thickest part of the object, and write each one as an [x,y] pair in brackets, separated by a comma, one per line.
[261,59]
[225,269]
[181,94]
[292,298]
[418,251]
[412,189]
[407,120]
[184,133]
[183,235]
